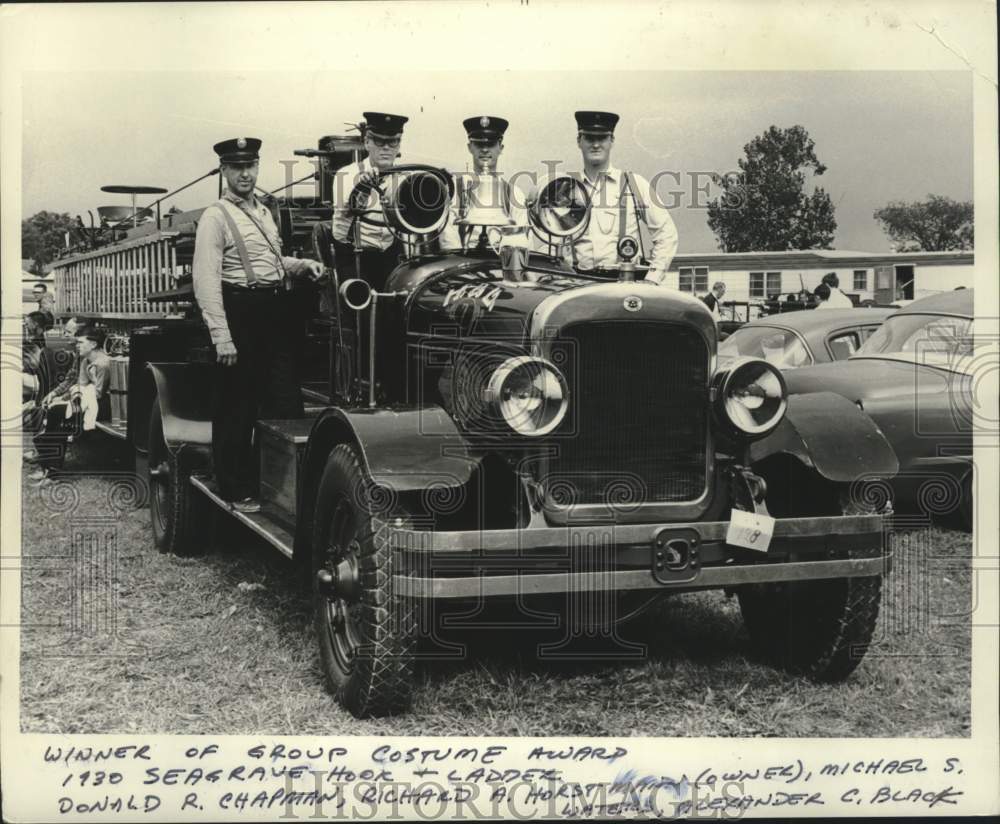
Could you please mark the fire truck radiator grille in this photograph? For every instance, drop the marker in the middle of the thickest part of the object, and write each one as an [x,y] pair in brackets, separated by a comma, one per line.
[636,431]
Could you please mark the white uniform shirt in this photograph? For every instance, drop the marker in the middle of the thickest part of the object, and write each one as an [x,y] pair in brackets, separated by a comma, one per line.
[838,300]
[515,235]
[217,261]
[599,245]
[372,237]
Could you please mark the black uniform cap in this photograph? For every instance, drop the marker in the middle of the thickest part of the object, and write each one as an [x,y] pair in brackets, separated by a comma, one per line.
[384,125]
[596,122]
[484,128]
[238,150]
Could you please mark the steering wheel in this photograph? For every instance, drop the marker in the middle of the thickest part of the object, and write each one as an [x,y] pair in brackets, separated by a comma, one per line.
[357,200]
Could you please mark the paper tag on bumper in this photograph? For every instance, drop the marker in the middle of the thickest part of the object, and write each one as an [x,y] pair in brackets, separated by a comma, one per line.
[749,530]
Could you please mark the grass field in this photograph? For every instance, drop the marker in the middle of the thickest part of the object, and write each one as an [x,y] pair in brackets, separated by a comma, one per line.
[118,638]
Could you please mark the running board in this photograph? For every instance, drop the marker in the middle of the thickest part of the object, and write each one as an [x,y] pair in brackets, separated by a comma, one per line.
[115,430]
[268,529]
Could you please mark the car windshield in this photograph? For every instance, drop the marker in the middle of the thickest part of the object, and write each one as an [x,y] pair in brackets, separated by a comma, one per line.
[781,347]
[934,340]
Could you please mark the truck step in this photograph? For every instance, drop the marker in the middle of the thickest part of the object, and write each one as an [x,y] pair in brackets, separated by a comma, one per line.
[267,527]
[116,429]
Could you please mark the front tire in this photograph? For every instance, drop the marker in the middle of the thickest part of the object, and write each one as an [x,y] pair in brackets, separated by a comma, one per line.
[177,512]
[367,634]
[820,629]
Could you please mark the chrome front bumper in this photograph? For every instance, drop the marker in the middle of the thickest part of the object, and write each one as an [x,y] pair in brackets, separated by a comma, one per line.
[498,563]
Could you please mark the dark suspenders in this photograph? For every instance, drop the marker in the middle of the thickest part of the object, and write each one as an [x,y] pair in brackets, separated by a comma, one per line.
[240,243]
[241,246]
[640,213]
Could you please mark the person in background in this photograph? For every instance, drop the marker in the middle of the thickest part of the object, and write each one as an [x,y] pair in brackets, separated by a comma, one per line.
[47,305]
[40,372]
[837,299]
[72,407]
[36,357]
[822,293]
[67,330]
[714,298]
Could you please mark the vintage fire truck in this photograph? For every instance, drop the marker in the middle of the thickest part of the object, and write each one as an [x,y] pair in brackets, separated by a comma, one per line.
[493,427]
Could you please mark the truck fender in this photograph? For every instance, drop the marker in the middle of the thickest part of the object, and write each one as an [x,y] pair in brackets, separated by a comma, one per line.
[184,394]
[831,434]
[406,449]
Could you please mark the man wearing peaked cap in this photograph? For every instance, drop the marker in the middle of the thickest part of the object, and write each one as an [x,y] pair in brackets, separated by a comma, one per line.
[380,249]
[238,150]
[596,123]
[619,201]
[384,125]
[239,279]
[485,129]
[485,135]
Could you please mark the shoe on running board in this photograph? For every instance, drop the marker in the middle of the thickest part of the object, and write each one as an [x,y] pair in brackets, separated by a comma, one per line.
[246,505]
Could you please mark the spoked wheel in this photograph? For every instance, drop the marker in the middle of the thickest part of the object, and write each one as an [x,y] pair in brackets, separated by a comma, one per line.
[177,513]
[366,633]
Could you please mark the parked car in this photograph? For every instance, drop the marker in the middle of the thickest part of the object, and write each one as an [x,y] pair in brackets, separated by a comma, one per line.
[915,377]
[795,339]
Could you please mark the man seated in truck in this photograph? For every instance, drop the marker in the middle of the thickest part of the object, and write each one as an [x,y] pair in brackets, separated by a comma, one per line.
[379,248]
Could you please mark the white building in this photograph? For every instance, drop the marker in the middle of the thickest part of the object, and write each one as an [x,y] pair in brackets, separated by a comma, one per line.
[883,277]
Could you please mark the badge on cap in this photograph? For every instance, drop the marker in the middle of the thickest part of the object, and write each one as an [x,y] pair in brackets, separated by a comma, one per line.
[484,121]
[241,143]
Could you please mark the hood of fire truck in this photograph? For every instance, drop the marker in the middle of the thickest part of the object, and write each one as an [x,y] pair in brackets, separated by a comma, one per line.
[450,294]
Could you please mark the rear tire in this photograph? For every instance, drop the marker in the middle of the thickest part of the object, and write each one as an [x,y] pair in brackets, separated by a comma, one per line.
[367,634]
[177,512]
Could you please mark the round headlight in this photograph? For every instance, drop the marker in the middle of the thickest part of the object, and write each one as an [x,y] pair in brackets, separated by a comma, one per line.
[750,396]
[530,394]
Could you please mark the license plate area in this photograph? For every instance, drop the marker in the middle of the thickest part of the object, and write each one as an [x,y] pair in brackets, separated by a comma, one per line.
[675,555]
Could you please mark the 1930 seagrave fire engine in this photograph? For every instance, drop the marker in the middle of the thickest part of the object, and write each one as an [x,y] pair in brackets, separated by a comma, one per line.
[497,428]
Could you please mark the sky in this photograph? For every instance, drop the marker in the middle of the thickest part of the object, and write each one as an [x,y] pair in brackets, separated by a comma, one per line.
[884,135]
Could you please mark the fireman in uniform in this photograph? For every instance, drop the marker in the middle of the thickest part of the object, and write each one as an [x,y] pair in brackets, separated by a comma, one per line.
[241,282]
[619,200]
[380,249]
[485,135]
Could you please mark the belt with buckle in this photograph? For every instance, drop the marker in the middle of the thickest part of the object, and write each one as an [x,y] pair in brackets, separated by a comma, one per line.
[260,288]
